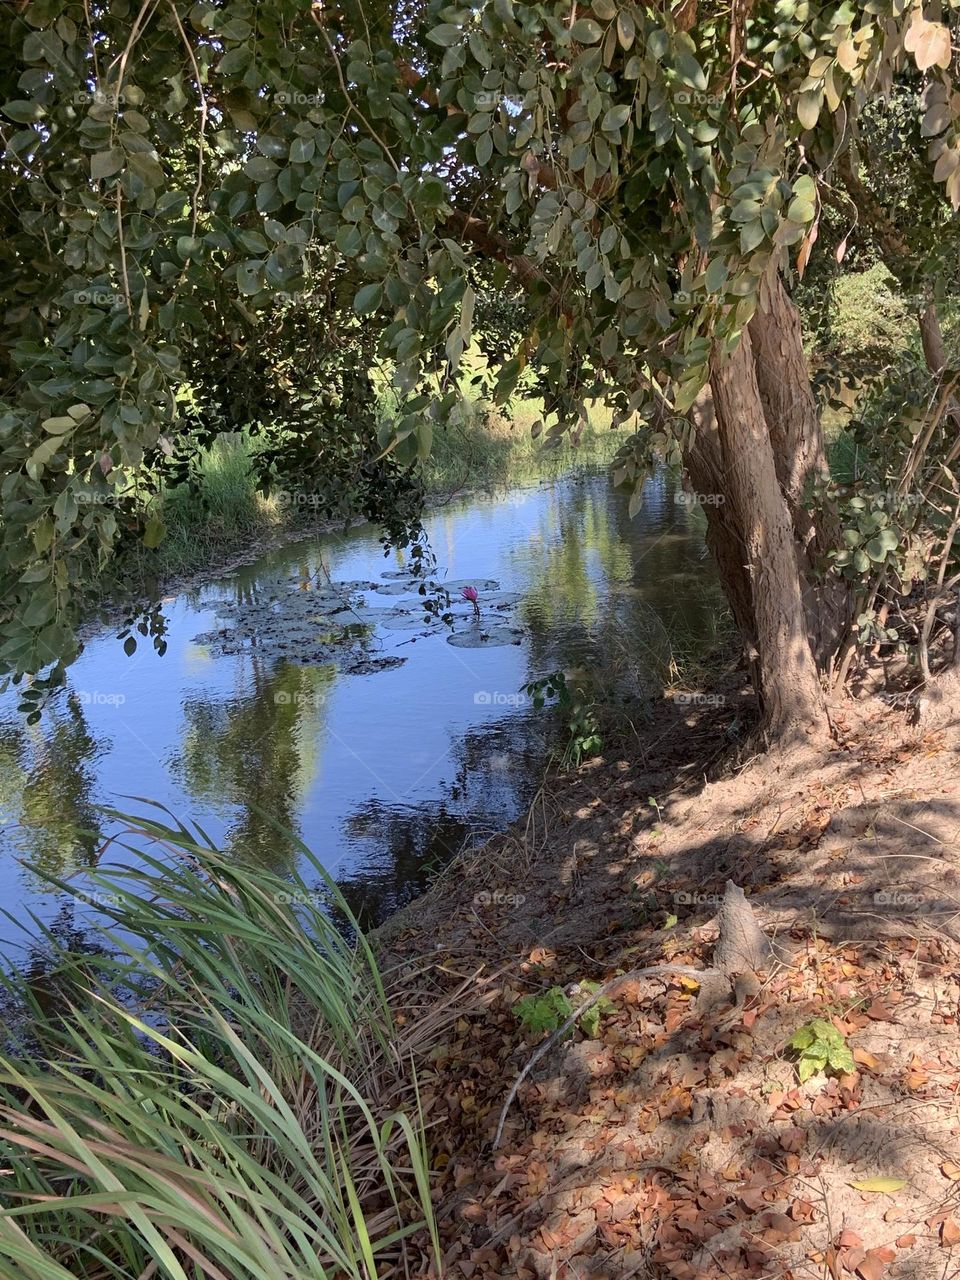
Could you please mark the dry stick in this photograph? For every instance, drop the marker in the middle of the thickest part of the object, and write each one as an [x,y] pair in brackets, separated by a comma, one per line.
[657,970]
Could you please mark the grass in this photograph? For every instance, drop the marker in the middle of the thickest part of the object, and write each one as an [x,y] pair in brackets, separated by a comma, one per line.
[225,511]
[492,449]
[223,1091]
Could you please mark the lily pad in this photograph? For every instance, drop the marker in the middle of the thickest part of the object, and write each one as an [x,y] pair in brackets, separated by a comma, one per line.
[485,637]
[368,666]
[396,588]
[482,584]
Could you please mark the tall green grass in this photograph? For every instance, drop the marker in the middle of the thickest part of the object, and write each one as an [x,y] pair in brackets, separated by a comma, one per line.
[491,449]
[220,511]
[222,1092]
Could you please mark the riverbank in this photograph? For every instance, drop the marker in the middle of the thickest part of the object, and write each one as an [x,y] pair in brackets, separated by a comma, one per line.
[678,1133]
[225,521]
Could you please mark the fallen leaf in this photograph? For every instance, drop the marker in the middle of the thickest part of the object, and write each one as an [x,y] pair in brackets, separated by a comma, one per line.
[949,1233]
[867,1059]
[884,1185]
[875,1263]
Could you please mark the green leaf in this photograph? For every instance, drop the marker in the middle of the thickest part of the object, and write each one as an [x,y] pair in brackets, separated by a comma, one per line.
[808,108]
[690,71]
[368,299]
[445,35]
[105,163]
[154,533]
[22,112]
[586,31]
[616,118]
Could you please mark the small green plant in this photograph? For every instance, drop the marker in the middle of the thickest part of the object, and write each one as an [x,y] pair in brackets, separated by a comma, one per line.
[577,709]
[590,1018]
[820,1047]
[545,1012]
[549,1010]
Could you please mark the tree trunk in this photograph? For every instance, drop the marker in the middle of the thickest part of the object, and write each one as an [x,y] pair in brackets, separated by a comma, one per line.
[793,703]
[704,465]
[783,380]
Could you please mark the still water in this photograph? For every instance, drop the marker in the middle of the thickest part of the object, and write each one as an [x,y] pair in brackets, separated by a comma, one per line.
[307,687]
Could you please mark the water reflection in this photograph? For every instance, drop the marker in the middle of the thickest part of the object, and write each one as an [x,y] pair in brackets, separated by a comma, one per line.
[47,776]
[256,755]
[383,775]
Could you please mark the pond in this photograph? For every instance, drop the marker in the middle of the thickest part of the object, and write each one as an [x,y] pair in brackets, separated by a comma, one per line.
[309,688]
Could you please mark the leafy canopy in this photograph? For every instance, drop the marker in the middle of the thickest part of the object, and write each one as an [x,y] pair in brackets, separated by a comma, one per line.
[170,169]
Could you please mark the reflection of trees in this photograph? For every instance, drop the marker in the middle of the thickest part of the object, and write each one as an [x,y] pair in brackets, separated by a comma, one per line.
[46,784]
[257,753]
[603,585]
[498,768]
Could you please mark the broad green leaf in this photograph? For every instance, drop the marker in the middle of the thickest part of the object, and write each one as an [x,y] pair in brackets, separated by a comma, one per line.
[368,299]
[103,164]
[586,31]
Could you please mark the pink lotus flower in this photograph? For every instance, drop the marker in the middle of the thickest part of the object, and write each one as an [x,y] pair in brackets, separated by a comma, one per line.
[470,593]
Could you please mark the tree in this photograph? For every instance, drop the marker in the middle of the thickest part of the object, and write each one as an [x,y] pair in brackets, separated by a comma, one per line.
[650,178]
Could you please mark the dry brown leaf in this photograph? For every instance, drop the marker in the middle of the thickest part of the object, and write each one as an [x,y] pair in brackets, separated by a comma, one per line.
[867,1059]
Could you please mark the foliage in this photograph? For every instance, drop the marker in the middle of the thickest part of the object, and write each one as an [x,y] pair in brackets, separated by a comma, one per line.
[170,172]
[820,1047]
[219,1088]
[549,1010]
[576,706]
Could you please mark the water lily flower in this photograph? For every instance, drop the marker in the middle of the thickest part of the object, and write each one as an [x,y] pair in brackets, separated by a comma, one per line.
[470,593]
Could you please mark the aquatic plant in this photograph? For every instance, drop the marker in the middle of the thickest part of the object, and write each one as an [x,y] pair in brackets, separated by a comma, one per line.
[471,594]
[223,1091]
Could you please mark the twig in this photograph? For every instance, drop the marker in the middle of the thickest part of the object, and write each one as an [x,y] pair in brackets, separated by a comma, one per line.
[203,120]
[657,970]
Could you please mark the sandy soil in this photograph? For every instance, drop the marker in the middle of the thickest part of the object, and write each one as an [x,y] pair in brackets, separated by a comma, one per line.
[677,1140]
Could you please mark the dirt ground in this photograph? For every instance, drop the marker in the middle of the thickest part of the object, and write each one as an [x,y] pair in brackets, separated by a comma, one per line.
[677,1140]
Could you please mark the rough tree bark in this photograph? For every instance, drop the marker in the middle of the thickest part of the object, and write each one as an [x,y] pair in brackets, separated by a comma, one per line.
[704,465]
[783,379]
[793,702]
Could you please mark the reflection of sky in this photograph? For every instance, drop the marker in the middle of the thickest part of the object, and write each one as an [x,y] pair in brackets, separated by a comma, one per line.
[212,737]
